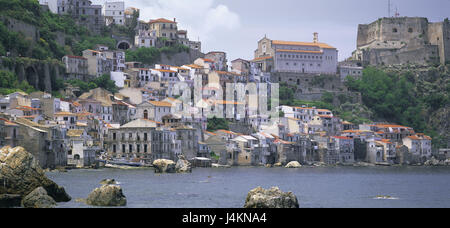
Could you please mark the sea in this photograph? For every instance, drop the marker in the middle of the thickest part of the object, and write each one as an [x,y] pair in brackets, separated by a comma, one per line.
[315,187]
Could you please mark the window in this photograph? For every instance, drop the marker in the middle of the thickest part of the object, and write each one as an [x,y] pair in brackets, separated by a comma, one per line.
[410,30]
[394,30]
[130,147]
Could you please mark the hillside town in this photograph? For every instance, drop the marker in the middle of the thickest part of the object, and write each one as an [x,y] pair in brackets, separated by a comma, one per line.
[166,111]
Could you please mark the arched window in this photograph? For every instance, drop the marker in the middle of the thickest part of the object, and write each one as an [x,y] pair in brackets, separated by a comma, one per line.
[394,30]
[145,114]
[76,157]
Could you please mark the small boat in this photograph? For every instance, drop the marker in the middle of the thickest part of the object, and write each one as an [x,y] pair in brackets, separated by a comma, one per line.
[123,162]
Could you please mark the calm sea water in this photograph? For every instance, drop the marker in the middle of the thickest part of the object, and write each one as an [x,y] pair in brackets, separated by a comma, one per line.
[227,188]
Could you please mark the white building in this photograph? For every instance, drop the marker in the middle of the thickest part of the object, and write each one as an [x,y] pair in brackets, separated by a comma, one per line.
[114,12]
[299,57]
[145,39]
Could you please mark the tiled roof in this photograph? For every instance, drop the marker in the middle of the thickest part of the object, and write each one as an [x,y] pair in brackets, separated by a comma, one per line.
[262,58]
[75,133]
[293,43]
[64,114]
[342,137]
[75,57]
[160,103]
[299,51]
[162,20]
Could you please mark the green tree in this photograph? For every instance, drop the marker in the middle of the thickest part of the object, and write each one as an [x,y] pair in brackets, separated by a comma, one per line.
[215,124]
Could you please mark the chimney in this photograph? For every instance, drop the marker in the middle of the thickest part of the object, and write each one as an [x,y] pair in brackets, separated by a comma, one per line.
[174,20]
[316,37]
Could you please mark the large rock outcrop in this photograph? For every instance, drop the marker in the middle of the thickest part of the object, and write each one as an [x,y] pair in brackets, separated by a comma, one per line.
[10,200]
[107,196]
[183,165]
[38,199]
[270,198]
[293,164]
[164,166]
[20,174]
[108,182]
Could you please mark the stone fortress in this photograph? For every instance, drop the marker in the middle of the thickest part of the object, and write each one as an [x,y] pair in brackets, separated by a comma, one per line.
[403,40]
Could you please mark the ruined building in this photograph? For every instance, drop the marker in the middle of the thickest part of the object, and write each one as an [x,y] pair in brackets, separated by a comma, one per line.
[403,40]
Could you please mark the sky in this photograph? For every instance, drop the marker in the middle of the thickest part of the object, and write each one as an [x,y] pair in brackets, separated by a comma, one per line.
[235,26]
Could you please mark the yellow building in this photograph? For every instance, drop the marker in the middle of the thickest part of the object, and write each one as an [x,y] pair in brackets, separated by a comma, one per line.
[164,28]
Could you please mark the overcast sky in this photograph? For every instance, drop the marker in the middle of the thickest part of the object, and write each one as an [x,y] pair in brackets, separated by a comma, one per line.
[235,26]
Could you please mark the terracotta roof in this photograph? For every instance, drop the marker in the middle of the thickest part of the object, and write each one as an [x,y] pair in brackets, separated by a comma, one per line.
[161,70]
[8,123]
[300,51]
[208,60]
[294,43]
[414,137]
[64,114]
[228,132]
[390,126]
[75,57]
[262,58]
[342,137]
[160,103]
[325,116]
[75,133]
[194,66]
[162,20]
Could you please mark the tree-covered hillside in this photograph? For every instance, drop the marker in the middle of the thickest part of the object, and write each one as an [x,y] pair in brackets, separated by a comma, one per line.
[414,96]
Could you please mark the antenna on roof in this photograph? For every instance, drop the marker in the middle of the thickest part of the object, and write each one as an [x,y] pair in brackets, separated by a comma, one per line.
[389,8]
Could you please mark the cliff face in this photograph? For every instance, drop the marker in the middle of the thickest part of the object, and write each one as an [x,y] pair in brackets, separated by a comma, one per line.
[182,58]
[432,87]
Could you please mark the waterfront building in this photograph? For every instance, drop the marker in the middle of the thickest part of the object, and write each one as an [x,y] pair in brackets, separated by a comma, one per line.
[419,145]
[345,148]
[81,152]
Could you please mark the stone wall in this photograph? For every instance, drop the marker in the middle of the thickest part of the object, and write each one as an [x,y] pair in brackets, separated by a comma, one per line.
[182,58]
[393,29]
[38,73]
[19,26]
[421,41]
[423,55]
[311,87]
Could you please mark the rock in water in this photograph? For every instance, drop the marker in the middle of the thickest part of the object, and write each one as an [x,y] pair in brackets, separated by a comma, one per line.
[183,165]
[164,166]
[107,196]
[108,181]
[293,164]
[38,199]
[270,198]
[10,200]
[21,174]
